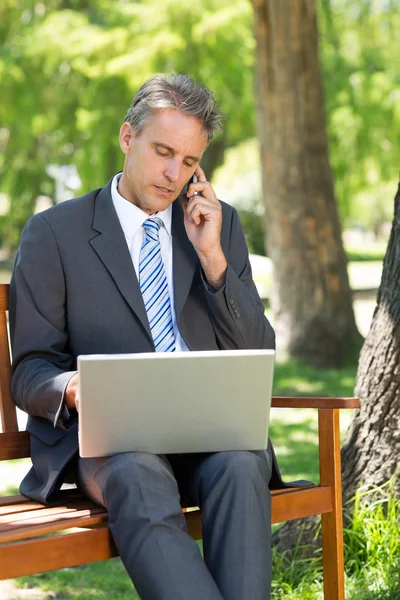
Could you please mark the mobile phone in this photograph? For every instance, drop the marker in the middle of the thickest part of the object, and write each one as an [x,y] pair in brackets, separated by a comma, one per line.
[193,179]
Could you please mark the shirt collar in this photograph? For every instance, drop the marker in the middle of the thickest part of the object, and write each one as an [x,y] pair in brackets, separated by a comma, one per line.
[131,216]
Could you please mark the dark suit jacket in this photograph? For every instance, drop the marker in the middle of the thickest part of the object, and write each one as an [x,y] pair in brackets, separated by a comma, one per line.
[74,291]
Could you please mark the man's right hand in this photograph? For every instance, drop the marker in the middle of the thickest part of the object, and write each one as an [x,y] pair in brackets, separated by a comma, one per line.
[71,396]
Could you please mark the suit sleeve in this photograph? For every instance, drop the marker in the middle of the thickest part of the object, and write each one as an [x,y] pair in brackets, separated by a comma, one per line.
[42,364]
[236,309]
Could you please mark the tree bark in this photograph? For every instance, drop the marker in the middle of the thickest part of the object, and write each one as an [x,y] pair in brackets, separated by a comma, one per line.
[371,453]
[312,299]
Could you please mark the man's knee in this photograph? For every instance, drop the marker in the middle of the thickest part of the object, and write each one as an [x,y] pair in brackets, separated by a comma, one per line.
[130,472]
[240,466]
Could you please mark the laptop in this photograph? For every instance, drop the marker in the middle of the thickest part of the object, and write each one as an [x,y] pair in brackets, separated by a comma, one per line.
[170,403]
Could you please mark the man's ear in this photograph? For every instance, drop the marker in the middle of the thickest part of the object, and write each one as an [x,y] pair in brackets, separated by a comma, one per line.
[125,137]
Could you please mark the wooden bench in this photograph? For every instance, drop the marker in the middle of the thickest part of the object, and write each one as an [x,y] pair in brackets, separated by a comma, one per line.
[29,540]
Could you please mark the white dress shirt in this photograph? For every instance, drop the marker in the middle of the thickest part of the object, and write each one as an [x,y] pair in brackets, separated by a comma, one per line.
[132,218]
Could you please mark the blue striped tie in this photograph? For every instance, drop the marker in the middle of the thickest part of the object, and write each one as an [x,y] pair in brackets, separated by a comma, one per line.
[154,288]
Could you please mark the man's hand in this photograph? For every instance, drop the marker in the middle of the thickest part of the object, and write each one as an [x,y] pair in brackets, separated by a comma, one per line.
[71,396]
[203,222]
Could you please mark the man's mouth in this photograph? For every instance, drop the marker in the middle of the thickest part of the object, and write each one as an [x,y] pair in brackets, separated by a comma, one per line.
[164,190]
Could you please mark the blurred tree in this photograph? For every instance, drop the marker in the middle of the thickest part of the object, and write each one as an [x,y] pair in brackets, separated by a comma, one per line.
[71,68]
[312,300]
[361,73]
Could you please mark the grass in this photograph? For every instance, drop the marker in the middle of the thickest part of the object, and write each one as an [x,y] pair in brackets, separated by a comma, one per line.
[106,580]
[300,379]
[372,253]
[372,554]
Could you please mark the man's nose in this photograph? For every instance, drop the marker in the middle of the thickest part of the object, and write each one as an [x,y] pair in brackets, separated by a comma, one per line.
[173,171]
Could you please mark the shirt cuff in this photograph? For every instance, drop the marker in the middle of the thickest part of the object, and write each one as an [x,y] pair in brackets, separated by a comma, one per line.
[63,416]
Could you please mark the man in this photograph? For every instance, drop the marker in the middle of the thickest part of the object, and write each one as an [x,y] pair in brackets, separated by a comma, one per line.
[85,282]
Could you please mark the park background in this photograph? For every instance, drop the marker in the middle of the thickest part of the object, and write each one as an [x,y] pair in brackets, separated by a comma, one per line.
[68,72]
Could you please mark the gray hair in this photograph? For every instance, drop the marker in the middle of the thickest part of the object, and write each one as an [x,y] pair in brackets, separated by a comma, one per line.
[179,92]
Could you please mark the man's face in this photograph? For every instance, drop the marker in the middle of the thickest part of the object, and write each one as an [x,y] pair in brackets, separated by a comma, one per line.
[160,160]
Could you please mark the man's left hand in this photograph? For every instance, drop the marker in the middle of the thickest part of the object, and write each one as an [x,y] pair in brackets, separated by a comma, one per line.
[203,222]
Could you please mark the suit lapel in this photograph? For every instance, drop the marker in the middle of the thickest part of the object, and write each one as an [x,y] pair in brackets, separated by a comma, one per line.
[184,259]
[111,248]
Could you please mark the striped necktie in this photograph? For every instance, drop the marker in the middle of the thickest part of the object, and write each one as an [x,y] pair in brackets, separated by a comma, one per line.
[154,287]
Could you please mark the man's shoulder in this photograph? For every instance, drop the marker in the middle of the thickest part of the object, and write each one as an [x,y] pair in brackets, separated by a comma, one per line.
[73,208]
[228,211]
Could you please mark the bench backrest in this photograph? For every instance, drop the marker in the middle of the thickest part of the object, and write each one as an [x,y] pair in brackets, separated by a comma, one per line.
[13,443]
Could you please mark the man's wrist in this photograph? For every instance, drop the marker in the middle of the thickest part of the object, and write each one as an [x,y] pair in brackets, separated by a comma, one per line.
[214,265]
[70,392]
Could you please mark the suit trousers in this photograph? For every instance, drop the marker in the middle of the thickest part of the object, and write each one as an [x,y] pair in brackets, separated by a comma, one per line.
[142,493]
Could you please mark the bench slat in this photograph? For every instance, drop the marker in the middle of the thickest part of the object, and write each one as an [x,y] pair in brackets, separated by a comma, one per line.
[34,511]
[301,503]
[14,500]
[304,402]
[14,445]
[55,552]
[42,521]
[91,518]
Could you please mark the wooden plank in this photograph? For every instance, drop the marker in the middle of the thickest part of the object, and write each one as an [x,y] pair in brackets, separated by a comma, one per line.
[299,504]
[55,552]
[33,510]
[14,500]
[17,508]
[47,554]
[15,444]
[332,523]
[286,402]
[8,411]
[48,525]
[286,505]
[194,524]
[4,292]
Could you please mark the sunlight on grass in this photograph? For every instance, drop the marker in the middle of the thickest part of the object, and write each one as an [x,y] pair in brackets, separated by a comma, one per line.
[103,580]
[300,379]
[11,474]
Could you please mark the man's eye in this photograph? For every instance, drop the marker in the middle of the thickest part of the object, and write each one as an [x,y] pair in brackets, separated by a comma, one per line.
[162,152]
[190,165]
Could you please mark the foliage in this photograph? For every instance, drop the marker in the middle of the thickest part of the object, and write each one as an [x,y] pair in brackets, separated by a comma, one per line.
[69,68]
[252,224]
[361,73]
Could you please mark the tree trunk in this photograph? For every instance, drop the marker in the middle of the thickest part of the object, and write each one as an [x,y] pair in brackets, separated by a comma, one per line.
[312,299]
[371,452]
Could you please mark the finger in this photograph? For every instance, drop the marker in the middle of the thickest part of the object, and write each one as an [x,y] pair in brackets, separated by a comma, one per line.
[200,174]
[199,203]
[201,187]
[200,211]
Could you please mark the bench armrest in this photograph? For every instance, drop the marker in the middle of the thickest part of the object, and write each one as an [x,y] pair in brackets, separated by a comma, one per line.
[283,402]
